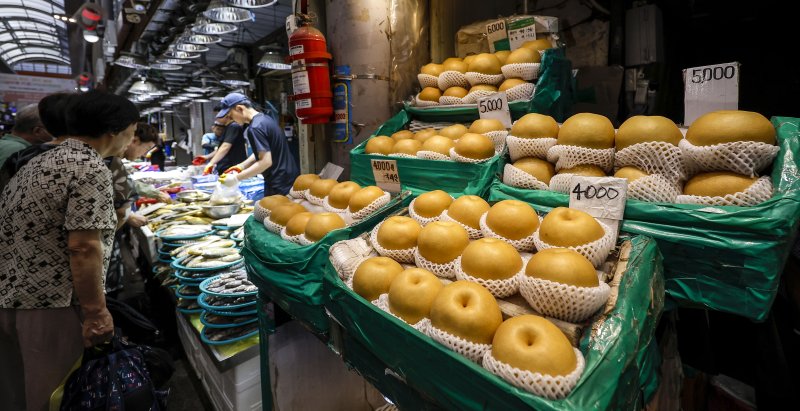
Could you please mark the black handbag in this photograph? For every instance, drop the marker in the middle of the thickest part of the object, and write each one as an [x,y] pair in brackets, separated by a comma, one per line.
[113,377]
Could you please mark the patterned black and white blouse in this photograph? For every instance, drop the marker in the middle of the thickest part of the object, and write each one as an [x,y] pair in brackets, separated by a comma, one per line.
[64,189]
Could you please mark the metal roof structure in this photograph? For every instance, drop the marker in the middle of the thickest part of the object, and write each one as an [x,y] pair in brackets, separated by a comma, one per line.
[31,37]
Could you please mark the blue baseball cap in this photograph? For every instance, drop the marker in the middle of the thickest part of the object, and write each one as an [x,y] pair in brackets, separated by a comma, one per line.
[230,101]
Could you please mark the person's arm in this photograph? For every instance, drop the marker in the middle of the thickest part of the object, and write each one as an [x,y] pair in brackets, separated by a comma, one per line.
[86,264]
[221,152]
[122,215]
[254,168]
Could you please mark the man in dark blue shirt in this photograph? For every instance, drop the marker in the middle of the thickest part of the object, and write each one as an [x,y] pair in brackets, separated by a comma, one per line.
[271,154]
[231,150]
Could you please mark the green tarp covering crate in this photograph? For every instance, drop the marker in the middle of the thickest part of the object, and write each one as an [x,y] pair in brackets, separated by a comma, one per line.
[290,274]
[418,373]
[722,258]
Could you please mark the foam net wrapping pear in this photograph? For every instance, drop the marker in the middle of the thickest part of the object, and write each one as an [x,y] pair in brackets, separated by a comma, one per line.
[563,301]
[432,155]
[498,288]
[314,199]
[474,96]
[461,159]
[525,71]
[474,233]
[452,78]
[272,227]
[480,78]
[547,386]
[522,245]
[260,213]
[654,188]
[292,238]
[451,100]
[423,221]
[383,303]
[303,240]
[473,351]
[370,208]
[515,177]
[401,256]
[560,182]
[654,157]
[597,251]
[743,157]
[757,193]
[498,138]
[520,92]
[424,103]
[298,194]
[519,147]
[427,80]
[402,155]
[347,255]
[446,270]
[326,204]
[570,156]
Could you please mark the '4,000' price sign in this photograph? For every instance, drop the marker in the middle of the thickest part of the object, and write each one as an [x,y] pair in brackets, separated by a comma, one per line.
[387,175]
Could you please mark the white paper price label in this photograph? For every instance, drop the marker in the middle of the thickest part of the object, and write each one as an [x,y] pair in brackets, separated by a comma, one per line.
[601,197]
[710,88]
[521,31]
[495,107]
[387,175]
[497,36]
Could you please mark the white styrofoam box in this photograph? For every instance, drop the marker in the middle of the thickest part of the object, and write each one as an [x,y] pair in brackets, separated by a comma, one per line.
[234,389]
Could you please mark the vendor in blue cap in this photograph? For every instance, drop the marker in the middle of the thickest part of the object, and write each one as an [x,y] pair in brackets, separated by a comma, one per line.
[271,155]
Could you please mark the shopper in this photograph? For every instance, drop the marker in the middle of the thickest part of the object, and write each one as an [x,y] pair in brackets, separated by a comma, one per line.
[56,230]
[210,141]
[271,155]
[28,130]
[51,112]
[231,150]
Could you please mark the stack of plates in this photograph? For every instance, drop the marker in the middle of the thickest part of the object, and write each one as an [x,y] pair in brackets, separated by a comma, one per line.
[229,301]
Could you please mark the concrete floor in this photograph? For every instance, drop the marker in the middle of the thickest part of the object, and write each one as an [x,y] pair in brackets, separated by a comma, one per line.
[186,391]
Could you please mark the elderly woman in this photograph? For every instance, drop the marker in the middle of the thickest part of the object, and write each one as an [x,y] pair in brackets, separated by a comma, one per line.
[57,225]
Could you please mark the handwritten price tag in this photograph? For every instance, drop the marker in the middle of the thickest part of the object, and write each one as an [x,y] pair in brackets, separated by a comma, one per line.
[495,107]
[710,88]
[601,197]
[387,175]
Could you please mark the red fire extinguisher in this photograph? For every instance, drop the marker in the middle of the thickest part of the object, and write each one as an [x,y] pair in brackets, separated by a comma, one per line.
[311,80]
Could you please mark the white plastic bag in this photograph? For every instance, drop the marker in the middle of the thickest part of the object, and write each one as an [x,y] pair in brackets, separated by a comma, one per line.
[225,194]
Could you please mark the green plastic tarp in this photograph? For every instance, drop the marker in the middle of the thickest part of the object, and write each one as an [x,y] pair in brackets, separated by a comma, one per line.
[291,274]
[554,95]
[420,176]
[722,258]
[419,373]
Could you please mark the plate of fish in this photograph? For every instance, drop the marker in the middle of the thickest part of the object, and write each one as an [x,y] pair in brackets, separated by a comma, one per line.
[234,284]
[220,336]
[212,320]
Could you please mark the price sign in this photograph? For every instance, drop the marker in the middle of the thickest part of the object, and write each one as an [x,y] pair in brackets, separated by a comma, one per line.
[387,175]
[520,31]
[601,197]
[497,36]
[495,107]
[710,88]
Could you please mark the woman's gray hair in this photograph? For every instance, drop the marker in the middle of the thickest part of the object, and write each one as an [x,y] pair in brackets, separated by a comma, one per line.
[27,119]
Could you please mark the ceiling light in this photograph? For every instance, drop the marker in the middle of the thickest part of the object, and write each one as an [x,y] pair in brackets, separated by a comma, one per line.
[234,78]
[191,48]
[191,95]
[219,11]
[131,60]
[202,100]
[202,39]
[181,54]
[206,26]
[251,4]
[173,61]
[273,59]
[165,66]
[145,88]
[90,36]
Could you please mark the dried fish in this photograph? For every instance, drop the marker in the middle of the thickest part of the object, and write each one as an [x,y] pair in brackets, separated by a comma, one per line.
[224,334]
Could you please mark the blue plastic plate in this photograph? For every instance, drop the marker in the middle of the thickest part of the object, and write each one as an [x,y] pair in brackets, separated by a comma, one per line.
[187,280]
[177,265]
[185,311]
[161,260]
[160,235]
[185,296]
[254,311]
[209,342]
[213,308]
[172,245]
[209,325]
[208,281]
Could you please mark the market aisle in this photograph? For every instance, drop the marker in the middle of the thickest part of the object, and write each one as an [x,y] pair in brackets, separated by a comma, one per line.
[186,390]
